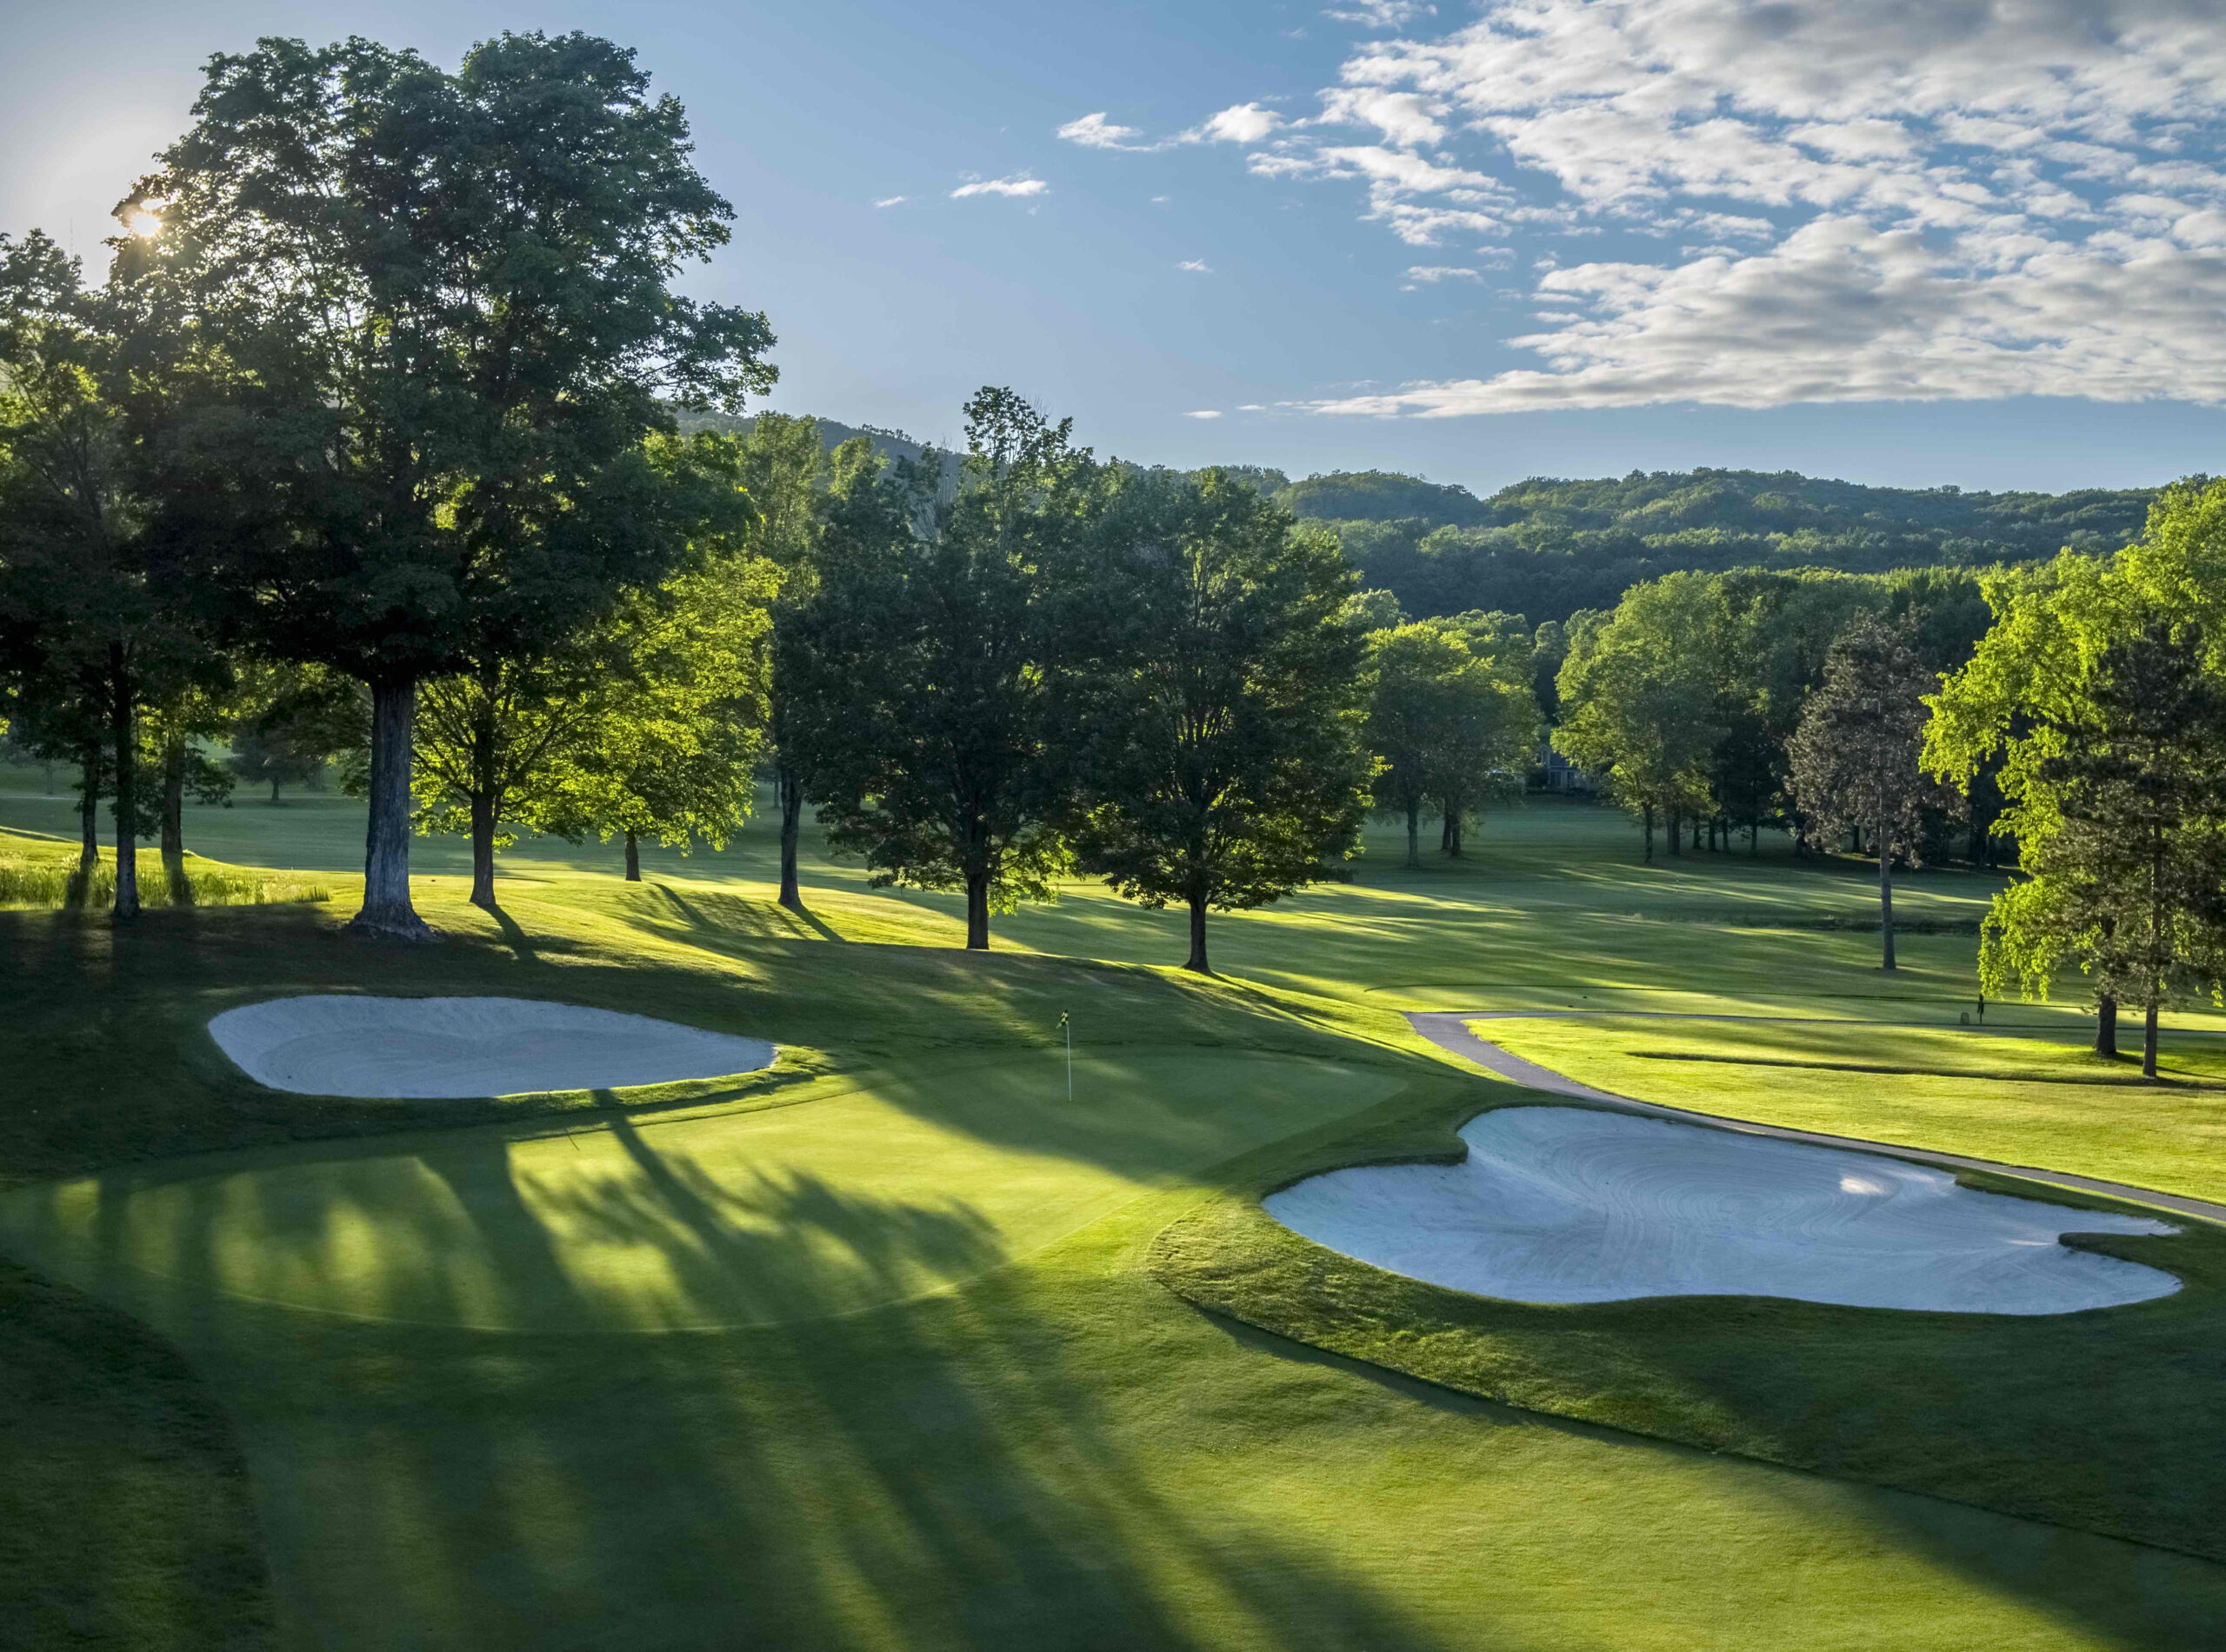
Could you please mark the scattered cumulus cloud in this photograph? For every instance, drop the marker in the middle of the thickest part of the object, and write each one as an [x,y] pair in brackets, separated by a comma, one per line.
[1974,199]
[1203,413]
[1252,407]
[1242,124]
[1095,132]
[892,199]
[1016,185]
[1430,275]
[1196,266]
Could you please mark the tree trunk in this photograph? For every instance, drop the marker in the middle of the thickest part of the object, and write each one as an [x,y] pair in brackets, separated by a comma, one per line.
[1754,838]
[1696,833]
[386,909]
[1198,959]
[174,754]
[88,810]
[1646,811]
[1677,832]
[1459,828]
[633,859]
[2148,1037]
[274,793]
[791,795]
[977,912]
[2106,1026]
[1886,899]
[1445,832]
[483,851]
[127,774]
[1413,837]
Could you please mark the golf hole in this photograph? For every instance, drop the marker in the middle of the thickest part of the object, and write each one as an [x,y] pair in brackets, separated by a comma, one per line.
[337,1044]
[1557,1205]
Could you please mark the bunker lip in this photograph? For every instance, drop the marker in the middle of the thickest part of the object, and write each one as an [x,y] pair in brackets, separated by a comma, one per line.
[422,1048]
[1569,1205]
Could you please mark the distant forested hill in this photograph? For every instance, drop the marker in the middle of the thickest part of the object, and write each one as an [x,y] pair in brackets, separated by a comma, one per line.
[1545,549]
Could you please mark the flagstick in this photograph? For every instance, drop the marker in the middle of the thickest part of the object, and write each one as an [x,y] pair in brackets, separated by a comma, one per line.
[1070,1026]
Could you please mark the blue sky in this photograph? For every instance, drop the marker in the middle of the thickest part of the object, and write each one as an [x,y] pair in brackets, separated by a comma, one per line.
[1978,242]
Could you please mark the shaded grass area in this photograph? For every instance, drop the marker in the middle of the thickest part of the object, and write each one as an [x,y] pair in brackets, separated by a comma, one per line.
[2019,1096]
[2106,1420]
[126,1519]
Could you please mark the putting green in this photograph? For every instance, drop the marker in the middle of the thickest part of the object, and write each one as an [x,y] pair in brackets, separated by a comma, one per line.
[866,1190]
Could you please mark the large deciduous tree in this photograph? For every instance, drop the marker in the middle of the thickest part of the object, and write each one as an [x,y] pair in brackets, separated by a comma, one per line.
[917,671]
[1445,726]
[1642,698]
[95,635]
[2098,691]
[785,470]
[1856,753]
[424,324]
[1212,701]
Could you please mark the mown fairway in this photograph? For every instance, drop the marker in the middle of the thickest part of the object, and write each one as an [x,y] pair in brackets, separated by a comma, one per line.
[864,1351]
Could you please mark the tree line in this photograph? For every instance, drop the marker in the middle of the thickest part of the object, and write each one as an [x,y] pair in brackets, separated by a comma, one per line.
[372,445]
[2068,715]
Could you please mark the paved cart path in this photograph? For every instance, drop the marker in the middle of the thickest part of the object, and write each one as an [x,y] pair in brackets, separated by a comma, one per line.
[1448,1030]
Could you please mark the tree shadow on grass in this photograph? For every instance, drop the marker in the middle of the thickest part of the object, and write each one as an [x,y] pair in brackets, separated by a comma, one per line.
[941,1473]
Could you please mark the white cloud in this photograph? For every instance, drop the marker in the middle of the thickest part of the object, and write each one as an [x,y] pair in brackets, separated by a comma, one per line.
[892,199]
[1381,13]
[1204,413]
[1972,198]
[1015,185]
[1430,275]
[1239,124]
[1095,132]
[1251,407]
[1196,266]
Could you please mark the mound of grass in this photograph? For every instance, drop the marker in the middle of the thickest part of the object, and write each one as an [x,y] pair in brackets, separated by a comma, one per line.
[126,1519]
[2106,1421]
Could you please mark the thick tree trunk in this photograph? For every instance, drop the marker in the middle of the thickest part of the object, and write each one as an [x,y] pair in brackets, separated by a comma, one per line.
[387,911]
[633,859]
[174,754]
[1414,838]
[2106,1026]
[1696,833]
[1198,958]
[1445,832]
[483,851]
[126,740]
[977,912]
[88,810]
[1646,812]
[2149,1038]
[274,793]
[1676,832]
[791,796]
[1460,831]
[1754,839]
[1885,900]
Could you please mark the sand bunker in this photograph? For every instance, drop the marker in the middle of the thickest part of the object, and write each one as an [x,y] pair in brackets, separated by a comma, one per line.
[1558,1204]
[336,1045]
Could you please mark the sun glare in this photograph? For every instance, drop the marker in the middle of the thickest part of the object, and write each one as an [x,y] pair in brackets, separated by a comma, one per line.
[143,221]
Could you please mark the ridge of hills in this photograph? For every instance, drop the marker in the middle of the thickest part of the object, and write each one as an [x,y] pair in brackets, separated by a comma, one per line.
[1547,547]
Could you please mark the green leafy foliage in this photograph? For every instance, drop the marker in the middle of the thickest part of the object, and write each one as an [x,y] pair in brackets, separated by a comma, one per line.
[1210,672]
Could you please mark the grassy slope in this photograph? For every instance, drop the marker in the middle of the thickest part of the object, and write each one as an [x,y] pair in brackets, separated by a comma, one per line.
[1048,1451]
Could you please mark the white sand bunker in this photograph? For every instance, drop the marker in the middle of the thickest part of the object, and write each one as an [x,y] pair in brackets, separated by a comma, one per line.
[341,1045]
[1558,1204]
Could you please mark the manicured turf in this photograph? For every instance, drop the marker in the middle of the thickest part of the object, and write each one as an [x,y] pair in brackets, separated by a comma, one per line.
[2029,1096]
[998,1428]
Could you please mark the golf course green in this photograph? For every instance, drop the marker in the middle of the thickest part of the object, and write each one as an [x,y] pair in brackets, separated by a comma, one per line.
[892,1344]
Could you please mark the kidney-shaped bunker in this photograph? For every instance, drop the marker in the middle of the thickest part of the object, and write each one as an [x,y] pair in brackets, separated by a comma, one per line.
[1558,1204]
[333,1044]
